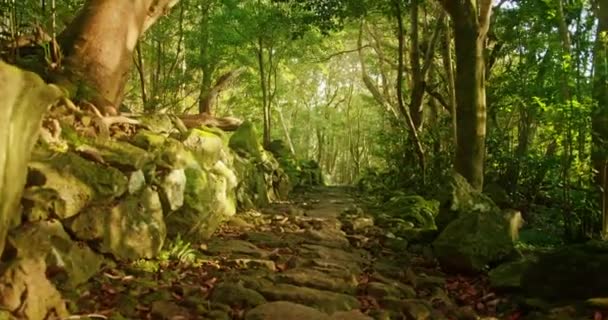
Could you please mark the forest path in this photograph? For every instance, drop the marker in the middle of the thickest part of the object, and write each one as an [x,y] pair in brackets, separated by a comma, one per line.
[318,256]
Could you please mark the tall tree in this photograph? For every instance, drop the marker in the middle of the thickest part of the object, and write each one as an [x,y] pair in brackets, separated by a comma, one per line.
[99,43]
[600,113]
[471,20]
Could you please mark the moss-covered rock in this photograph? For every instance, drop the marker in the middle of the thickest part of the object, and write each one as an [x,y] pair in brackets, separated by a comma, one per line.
[209,200]
[508,276]
[207,145]
[72,262]
[460,198]
[61,185]
[148,140]
[475,240]
[325,301]
[245,141]
[235,295]
[133,228]
[415,209]
[570,272]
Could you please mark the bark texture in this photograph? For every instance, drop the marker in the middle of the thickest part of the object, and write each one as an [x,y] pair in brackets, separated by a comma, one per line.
[99,43]
[471,20]
[600,113]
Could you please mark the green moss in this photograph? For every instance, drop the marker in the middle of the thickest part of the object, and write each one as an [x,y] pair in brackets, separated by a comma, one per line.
[245,141]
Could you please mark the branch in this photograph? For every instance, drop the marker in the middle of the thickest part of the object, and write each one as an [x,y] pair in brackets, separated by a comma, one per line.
[335,54]
[485,12]
[157,9]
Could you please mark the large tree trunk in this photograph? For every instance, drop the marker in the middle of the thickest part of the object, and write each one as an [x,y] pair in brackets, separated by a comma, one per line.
[600,113]
[99,43]
[471,23]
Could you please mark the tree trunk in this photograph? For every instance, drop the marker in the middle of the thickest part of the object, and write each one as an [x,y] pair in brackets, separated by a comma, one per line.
[208,99]
[207,66]
[448,65]
[265,95]
[600,112]
[471,27]
[99,43]
[400,103]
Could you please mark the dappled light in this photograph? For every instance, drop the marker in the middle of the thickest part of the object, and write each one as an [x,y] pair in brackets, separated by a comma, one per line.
[303,159]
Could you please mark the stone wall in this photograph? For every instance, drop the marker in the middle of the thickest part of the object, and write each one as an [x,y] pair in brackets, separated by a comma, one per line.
[91,197]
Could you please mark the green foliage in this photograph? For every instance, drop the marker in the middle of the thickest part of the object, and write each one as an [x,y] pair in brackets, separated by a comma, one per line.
[178,250]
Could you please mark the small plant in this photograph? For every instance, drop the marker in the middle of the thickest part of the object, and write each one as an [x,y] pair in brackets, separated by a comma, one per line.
[179,250]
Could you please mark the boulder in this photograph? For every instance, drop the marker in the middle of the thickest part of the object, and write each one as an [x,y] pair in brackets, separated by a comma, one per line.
[26,292]
[508,276]
[478,239]
[460,198]
[570,272]
[25,99]
[173,188]
[62,184]
[207,145]
[209,200]
[69,263]
[244,141]
[131,229]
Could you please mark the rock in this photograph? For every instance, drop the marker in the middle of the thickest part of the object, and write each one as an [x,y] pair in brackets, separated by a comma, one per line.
[285,311]
[235,295]
[25,99]
[273,240]
[167,310]
[334,239]
[209,200]
[173,188]
[329,254]
[253,264]
[207,145]
[569,272]
[416,309]
[360,223]
[137,182]
[26,292]
[218,315]
[63,184]
[350,315]
[118,154]
[235,248]
[404,290]
[68,263]
[325,301]
[148,140]
[245,141]
[474,240]
[414,209]
[509,275]
[240,223]
[319,280]
[132,229]
[253,189]
[161,123]
[381,290]
[460,198]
